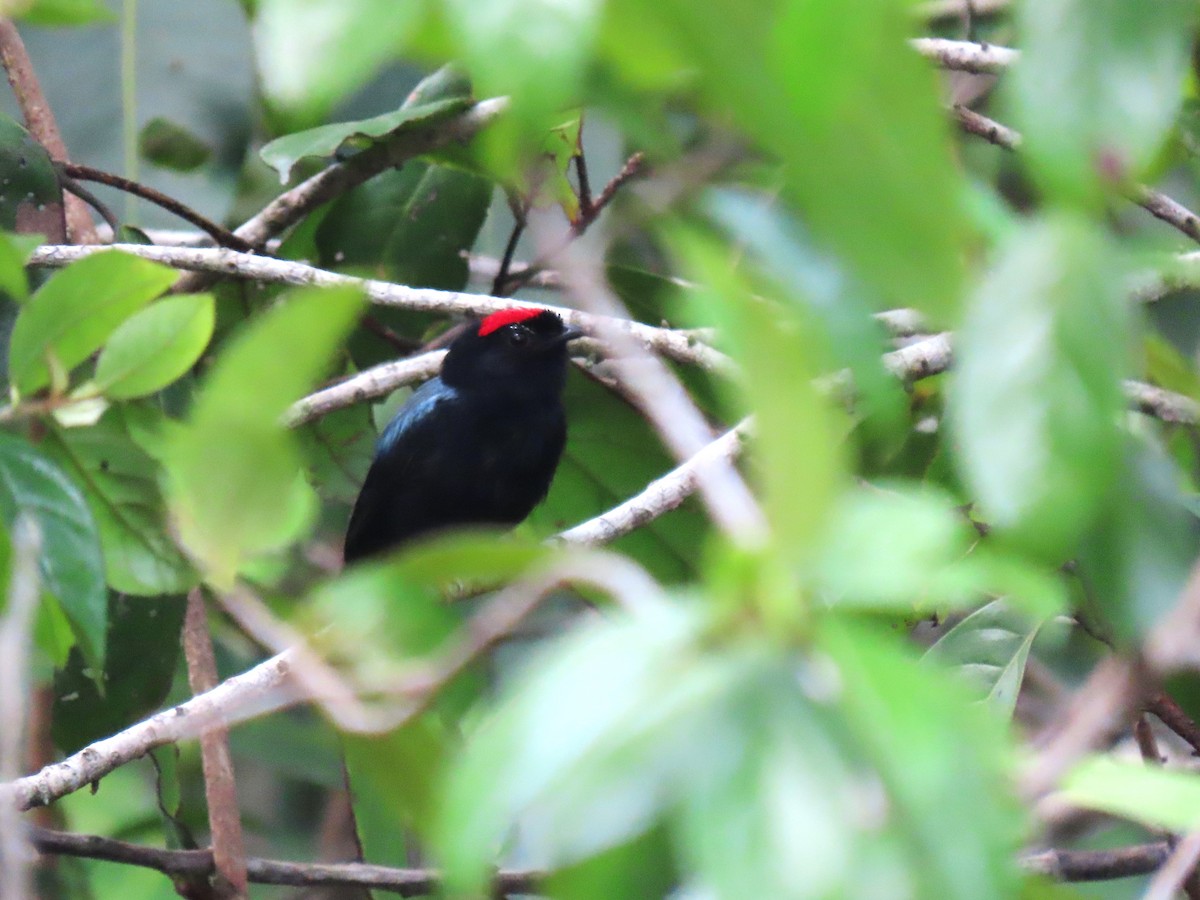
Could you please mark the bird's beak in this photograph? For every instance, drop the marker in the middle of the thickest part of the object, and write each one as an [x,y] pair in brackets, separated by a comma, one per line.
[570,334]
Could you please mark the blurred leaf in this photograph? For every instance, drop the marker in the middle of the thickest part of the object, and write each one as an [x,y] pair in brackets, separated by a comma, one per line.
[59,13]
[772,345]
[581,752]
[14,251]
[1091,107]
[1140,554]
[142,648]
[1157,797]
[639,867]
[172,146]
[121,485]
[339,447]
[74,313]
[989,648]
[30,197]
[155,346]
[233,466]
[911,570]
[71,562]
[784,822]
[313,53]
[410,226]
[1036,396]
[534,51]
[283,153]
[942,762]
[393,781]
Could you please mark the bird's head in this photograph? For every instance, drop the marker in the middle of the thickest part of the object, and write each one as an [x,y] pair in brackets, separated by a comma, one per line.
[522,348]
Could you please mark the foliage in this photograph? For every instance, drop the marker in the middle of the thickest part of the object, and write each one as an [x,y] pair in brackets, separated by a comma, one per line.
[729,710]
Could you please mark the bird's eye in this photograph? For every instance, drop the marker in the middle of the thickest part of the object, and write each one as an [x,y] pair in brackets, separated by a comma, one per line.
[518,336]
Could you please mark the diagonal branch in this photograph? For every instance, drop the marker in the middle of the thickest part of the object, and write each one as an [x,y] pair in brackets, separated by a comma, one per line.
[966,56]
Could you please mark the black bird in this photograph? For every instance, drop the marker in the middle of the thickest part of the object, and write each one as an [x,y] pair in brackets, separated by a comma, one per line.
[478,445]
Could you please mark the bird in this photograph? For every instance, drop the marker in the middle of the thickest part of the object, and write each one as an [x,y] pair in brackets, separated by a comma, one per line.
[476,445]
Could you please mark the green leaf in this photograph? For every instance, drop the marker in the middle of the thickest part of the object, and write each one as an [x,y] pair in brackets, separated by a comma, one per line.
[1091,108]
[540,68]
[1140,555]
[283,153]
[71,562]
[74,313]
[142,648]
[583,752]
[30,197]
[171,146]
[942,761]
[1157,797]
[411,226]
[60,13]
[233,467]
[1036,398]
[155,346]
[313,55]
[989,648]
[121,484]
[14,251]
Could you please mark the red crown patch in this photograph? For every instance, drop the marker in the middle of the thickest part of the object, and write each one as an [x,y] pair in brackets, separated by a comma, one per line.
[498,320]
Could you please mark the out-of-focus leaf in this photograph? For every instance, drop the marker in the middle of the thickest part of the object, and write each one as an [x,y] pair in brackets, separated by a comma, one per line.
[74,313]
[1090,107]
[1140,555]
[30,197]
[1036,397]
[409,226]
[155,346]
[172,146]
[793,421]
[121,485]
[534,51]
[60,13]
[283,153]
[233,466]
[14,251]
[394,782]
[785,821]
[1157,797]
[989,648]
[142,649]
[71,562]
[942,761]
[584,749]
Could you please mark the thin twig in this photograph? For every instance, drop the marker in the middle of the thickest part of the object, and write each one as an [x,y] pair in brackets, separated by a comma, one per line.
[39,119]
[1172,715]
[199,863]
[220,786]
[1097,865]
[966,56]
[1154,202]
[223,236]
[1175,871]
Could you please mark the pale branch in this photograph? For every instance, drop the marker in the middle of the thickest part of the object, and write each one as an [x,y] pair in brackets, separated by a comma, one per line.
[1154,202]
[670,343]
[290,207]
[966,56]
[220,785]
[199,864]
[39,119]
[264,688]
[1176,870]
[369,384]
[660,496]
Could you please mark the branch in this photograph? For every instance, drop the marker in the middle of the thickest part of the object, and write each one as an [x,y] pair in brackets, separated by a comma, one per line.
[674,344]
[220,787]
[293,205]
[660,496]
[199,863]
[966,56]
[265,688]
[1097,865]
[39,119]
[378,381]
[1154,202]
